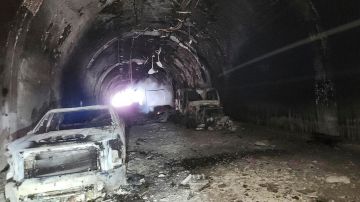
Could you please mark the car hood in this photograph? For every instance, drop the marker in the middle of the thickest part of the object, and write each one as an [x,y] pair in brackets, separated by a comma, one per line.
[204,103]
[63,137]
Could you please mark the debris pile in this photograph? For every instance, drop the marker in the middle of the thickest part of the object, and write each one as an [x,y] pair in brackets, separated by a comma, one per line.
[225,123]
[220,123]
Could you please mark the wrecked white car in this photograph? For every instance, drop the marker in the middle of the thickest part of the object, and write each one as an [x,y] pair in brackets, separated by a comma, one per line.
[74,154]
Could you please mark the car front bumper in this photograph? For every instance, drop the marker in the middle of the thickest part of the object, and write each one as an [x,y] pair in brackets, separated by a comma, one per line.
[73,187]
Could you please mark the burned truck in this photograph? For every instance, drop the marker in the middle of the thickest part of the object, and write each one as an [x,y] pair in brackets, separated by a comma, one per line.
[73,154]
[198,108]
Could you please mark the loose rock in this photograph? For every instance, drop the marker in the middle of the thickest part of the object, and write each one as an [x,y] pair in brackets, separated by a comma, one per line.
[338,179]
[195,182]
[263,143]
[162,176]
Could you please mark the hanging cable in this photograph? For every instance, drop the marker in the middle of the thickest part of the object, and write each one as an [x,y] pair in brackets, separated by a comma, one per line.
[130,61]
[184,4]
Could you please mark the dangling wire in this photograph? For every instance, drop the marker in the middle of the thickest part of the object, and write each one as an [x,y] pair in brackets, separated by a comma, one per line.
[189,33]
[183,5]
[130,62]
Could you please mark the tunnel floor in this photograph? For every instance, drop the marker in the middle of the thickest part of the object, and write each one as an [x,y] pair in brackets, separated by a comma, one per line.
[252,164]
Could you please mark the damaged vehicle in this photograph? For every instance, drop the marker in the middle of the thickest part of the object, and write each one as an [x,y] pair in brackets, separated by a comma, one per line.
[199,108]
[72,154]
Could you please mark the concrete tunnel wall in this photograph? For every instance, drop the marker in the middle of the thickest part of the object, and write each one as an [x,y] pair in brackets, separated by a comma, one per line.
[40,39]
[311,88]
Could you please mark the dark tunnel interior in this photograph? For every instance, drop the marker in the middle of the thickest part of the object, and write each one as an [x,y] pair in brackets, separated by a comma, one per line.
[272,79]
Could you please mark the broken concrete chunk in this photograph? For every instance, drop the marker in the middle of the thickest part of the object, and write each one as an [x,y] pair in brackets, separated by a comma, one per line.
[121,192]
[186,180]
[199,186]
[162,176]
[263,143]
[195,182]
[338,179]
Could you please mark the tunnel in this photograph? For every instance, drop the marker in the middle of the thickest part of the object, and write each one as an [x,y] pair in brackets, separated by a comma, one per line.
[276,65]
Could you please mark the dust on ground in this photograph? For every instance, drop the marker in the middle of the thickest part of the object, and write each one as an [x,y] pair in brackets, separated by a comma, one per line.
[252,164]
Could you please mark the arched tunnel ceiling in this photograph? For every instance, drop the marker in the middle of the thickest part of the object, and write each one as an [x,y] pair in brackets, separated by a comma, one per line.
[111,63]
[50,44]
[203,28]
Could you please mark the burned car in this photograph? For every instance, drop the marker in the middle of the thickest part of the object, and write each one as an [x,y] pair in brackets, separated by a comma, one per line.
[73,154]
[198,107]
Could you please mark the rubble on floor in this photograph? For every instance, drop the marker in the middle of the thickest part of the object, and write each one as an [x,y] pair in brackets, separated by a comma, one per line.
[263,143]
[338,179]
[221,166]
[196,183]
[223,123]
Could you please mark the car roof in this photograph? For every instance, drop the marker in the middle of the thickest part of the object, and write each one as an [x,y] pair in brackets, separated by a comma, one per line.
[75,109]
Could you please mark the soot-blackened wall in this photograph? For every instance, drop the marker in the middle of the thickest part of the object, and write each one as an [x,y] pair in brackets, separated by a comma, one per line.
[313,87]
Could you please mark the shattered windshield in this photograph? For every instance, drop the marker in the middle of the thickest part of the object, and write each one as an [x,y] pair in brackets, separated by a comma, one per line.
[75,120]
[193,96]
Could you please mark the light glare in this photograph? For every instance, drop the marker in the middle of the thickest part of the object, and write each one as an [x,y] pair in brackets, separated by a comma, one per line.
[128,97]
